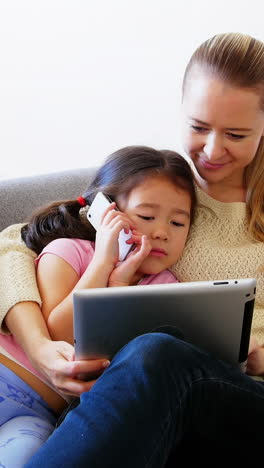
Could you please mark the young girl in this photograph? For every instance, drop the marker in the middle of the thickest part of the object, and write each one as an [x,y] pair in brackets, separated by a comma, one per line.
[154,191]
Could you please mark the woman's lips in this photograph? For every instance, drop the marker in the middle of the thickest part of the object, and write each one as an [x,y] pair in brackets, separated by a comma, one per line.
[210,166]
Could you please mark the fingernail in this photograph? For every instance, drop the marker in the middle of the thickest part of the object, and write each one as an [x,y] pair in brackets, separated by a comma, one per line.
[106,364]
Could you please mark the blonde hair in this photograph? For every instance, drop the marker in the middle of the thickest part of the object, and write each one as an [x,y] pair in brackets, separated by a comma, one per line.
[238,59]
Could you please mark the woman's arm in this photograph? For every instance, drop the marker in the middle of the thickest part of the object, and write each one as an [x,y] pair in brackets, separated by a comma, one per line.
[17,272]
[21,316]
[54,359]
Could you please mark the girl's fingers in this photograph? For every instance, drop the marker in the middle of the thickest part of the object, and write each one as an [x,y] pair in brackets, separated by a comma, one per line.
[141,251]
[137,233]
[144,248]
[145,243]
[117,222]
[136,237]
[134,240]
[111,207]
[111,214]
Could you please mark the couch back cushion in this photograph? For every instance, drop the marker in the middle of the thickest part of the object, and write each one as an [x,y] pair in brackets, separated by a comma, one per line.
[19,197]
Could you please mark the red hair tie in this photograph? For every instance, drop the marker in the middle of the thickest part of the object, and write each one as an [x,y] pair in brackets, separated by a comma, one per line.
[82,201]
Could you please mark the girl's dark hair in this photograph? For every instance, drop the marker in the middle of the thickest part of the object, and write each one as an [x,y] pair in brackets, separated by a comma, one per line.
[120,173]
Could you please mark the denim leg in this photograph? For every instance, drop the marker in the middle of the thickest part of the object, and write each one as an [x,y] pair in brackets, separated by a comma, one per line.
[158,393]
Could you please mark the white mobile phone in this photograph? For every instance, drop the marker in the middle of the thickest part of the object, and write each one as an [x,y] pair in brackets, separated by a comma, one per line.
[94,215]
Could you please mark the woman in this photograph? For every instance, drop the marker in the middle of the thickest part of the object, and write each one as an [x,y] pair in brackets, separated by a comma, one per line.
[160,393]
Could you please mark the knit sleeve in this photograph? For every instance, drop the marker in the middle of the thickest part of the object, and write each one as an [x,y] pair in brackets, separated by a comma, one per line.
[17,272]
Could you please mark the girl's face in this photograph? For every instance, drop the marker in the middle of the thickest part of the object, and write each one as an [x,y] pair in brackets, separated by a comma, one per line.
[222,128]
[161,210]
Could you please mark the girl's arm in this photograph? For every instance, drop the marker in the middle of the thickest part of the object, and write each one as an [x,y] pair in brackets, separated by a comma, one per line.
[58,280]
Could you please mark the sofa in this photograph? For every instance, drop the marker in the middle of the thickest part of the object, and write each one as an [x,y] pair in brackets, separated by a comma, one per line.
[20,196]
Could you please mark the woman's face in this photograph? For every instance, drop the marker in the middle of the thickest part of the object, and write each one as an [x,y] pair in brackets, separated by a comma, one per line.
[222,128]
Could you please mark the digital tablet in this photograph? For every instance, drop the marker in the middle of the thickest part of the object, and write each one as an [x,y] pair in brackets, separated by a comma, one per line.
[214,315]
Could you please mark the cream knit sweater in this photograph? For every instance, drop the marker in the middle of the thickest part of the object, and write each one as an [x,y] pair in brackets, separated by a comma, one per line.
[17,271]
[218,248]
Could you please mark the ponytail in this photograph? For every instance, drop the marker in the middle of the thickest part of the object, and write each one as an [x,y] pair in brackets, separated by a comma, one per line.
[60,219]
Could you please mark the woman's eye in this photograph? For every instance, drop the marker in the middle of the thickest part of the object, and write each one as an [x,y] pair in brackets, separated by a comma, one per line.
[236,137]
[196,128]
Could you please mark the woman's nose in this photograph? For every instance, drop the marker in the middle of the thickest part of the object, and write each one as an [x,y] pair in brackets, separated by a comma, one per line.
[213,147]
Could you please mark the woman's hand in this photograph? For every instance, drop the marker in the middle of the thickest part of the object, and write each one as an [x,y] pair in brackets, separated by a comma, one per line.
[55,360]
[126,270]
[255,362]
[52,359]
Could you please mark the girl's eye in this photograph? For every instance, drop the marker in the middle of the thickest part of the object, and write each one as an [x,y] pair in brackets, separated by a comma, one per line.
[146,218]
[236,137]
[175,223]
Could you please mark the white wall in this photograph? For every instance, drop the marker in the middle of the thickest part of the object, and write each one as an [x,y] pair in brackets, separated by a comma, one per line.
[81,78]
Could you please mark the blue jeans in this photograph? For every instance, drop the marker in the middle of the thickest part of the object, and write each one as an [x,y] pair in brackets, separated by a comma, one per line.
[158,395]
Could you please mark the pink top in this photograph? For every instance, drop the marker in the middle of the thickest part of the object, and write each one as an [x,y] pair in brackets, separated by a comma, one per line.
[78,253]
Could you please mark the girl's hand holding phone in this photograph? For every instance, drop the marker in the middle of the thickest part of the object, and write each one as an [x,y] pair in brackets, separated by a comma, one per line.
[124,272]
[110,223]
[95,216]
[106,244]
